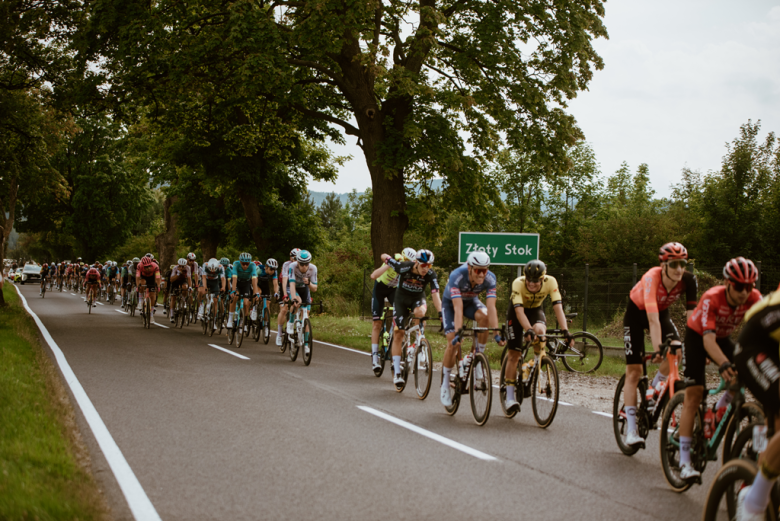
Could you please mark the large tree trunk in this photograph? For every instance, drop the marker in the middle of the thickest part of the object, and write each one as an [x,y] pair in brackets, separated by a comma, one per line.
[7,223]
[388,211]
[208,245]
[253,219]
[167,241]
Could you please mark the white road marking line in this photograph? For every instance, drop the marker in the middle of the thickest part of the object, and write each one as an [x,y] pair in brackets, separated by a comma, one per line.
[162,326]
[602,413]
[73,294]
[334,345]
[120,311]
[99,303]
[428,434]
[137,499]
[229,352]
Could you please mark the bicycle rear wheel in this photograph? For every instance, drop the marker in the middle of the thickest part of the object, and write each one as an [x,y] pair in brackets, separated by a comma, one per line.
[619,420]
[293,341]
[670,443]
[385,341]
[481,385]
[721,503]
[210,321]
[544,397]
[266,325]
[455,390]
[750,412]
[589,353]
[743,445]
[423,368]
[518,385]
[241,321]
[308,341]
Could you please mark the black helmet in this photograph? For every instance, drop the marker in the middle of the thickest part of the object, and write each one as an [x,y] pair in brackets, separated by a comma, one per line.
[534,271]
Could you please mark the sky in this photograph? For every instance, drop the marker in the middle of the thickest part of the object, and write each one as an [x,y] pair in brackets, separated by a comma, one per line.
[679,78]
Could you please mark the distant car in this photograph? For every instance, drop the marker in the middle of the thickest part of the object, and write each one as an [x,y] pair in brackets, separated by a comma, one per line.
[30,272]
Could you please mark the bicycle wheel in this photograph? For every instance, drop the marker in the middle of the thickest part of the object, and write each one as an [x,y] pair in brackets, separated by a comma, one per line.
[293,341]
[721,503]
[220,318]
[385,341]
[619,420]
[210,320]
[231,333]
[89,306]
[481,389]
[422,369]
[544,396]
[750,412]
[452,409]
[205,326]
[180,318]
[670,443]
[518,385]
[585,356]
[133,303]
[743,445]
[43,291]
[241,321]
[266,326]
[308,341]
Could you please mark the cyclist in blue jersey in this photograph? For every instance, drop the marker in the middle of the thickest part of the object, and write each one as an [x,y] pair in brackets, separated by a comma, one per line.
[244,286]
[266,273]
[228,267]
[461,299]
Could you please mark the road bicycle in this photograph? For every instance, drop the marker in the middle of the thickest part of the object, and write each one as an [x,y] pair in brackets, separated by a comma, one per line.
[738,415]
[541,384]
[179,308]
[739,473]
[210,314]
[43,288]
[416,356]
[584,356]
[262,325]
[473,377]
[239,320]
[90,299]
[146,306]
[302,336]
[384,353]
[111,293]
[132,299]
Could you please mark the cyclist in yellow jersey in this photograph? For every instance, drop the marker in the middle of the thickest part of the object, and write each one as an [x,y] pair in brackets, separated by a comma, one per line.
[525,319]
[384,288]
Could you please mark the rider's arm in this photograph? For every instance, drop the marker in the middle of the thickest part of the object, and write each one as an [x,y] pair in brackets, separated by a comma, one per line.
[437,301]
[234,282]
[254,285]
[713,349]
[223,282]
[457,308]
[276,286]
[560,316]
[379,271]
[492,313]
[292,290]
[655,329]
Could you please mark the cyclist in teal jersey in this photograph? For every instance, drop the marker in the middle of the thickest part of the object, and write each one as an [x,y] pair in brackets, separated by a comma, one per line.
[244,286]
[228,267]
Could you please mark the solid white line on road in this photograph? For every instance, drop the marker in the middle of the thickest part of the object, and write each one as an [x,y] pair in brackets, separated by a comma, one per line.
[120,311]
[73,294]
[162,326]
[137,499]
[602,414]
[334,345]
[99,303]
[242,357]
[429,434]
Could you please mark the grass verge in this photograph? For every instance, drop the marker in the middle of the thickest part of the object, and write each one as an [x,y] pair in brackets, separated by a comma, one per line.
[44,467]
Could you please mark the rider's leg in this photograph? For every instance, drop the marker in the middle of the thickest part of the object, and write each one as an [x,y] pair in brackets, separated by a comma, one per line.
[540,328]
[757,498]
[481,318]
[693,397]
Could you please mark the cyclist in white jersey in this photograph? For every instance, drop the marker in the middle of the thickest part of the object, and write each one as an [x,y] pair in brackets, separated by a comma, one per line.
[280,320]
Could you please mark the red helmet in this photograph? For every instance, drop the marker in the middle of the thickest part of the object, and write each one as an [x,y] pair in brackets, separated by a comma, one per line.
[257,263]
[146,261]
[740,270]
[672,251]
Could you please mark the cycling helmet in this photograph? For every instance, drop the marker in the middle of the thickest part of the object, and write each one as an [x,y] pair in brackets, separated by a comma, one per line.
[182,261]
[145,262]
[45,265]
[534,271]
[409,253]
[672,251]
[136,260]
[191,256]
[424,256]
[213,265]
[303,257]
[224,261]
[245,257]
[740,270]
[478,259]
[271,263]
[79,259]
[294,252]
[257,262]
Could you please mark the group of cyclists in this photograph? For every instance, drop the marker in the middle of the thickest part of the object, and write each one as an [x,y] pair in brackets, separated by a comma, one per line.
[403,278]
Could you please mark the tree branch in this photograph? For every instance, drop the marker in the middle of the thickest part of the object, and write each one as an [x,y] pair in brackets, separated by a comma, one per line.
[349,129]
[321,68]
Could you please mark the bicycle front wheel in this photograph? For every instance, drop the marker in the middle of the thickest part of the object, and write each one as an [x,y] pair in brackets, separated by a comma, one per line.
[544,398]
[266,325]
[721,501]
[619,420]
[205,326]
[293,341]
[308,341]
[240,320]
[670,443]
[518,385]
[481,385]
[585,356]
[423,369]
[750,412]
[452,409]
[211,323]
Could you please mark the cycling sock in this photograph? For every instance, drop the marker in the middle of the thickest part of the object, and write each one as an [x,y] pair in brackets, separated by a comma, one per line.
[446,371]
[374,351]
[480,347]
[510,391]
[230,315]
[631,415]
[659,377]
[685,450]
[758,496]
[724,401]
[279,330]
[397,364]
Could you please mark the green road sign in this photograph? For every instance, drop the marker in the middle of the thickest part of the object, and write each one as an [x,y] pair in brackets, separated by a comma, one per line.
[510,249]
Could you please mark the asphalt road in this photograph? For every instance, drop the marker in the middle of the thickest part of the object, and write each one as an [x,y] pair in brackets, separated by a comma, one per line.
[213,436]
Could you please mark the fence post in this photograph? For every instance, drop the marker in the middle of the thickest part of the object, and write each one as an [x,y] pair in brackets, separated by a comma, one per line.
[363,298]
[585,304]
[758,280]
[634,282]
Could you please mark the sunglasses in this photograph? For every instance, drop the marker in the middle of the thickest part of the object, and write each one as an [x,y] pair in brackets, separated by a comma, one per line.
[244,264]
[678,264]
[425,265]
[740,286]
[480,271]
[303,264]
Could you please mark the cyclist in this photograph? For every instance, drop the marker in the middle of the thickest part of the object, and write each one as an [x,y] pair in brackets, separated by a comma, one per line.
[757,359]
[284,295]
[44,276]
[413,276]
[708,335]
[92,282]
[386,281]
[302,277]
[244,286]
[228,267]
[52,274]
[180,278]
[266,273]
[195,272]
[214,278]
[648,308]
[111,274]
[461,299]
[149,272]
[526,320]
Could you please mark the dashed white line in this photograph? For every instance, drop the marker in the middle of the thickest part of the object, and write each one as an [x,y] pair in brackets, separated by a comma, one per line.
[428,434]
[120,311]
[99,303]
[242,357]
[334,345]
[602,413]
[73,294]
[160,325]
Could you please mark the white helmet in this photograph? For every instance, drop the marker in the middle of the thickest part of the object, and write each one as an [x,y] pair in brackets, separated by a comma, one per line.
[478,259]
[409,253]
[213,265]
[271,263]
[182,261]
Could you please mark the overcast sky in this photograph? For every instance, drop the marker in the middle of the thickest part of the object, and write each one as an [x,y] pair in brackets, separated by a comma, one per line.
[679,78]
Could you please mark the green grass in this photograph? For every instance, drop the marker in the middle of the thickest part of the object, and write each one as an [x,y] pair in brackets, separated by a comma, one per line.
[356,334]
[39,475]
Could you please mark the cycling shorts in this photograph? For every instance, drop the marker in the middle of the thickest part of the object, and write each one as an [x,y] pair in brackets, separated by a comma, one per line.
[515,329]
[758,365]
[404,306]
[151,282]
[470,308]
[303,293]
[262,285]
[381,292]
[213,286]
[634,325]
[112,277]
[244,288]
[694,356]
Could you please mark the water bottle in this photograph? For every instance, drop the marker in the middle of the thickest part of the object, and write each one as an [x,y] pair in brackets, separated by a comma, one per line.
[709,423]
